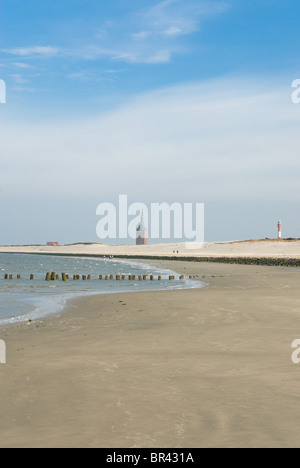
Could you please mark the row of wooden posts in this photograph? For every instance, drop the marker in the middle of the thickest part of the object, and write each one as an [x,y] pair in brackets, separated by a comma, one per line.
[54,277]
[10,277]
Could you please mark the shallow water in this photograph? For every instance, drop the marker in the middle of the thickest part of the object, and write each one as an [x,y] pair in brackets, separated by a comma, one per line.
[22,299]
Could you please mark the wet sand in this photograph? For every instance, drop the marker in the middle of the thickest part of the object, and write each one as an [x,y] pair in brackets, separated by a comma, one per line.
[172,369]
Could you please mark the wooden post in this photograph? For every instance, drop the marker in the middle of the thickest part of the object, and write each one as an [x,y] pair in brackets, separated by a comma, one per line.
[100,277]
[53,276]
[5,276]
[48,276]
[123,277]
[89,277]
[83,278]
[159,278]
[106,277]
[19,277]
[118,277]
[57,277]
[151,278]
[31,277]
[145,277]
[111,277]
[10,277]
[140,278]
[181,277]
[64,277]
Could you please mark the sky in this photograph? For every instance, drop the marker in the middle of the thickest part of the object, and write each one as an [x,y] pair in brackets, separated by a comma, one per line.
[165,101]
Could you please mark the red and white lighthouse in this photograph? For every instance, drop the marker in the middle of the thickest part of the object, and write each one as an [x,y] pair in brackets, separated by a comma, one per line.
[279,230]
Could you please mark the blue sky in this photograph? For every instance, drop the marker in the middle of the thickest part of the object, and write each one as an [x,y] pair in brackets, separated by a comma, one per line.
[91,54]
[148,81]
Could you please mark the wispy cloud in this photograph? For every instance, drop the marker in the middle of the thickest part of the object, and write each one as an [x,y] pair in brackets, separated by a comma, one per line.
[171,15]
[149,35]
[45,51]
[21,65]
[173,31]
[162,56]
[141,35]
[177,17]
[18,79]
[25,89]
[86,76]
[157,30]
[83,75]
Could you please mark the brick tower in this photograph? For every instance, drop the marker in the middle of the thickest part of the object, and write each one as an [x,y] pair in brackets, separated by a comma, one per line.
[142,236]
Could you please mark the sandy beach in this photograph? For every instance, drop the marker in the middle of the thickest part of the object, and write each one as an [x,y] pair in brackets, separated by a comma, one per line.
[250,249]
[193,368]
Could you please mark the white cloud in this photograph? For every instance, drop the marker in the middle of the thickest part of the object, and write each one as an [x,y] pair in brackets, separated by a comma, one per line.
[47,51]
[169,14]
[129,57]
[92,76]
[163,24]
[21,65]
[114,72]
[103,31]
[163,56]
[23,89]
[222,140]
[160,57]
[139,39]
[80,76]
[174,17]
[173,31]
[141,35]
[18,79]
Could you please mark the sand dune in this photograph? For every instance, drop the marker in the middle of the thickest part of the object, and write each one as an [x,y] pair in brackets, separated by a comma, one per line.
[253,249]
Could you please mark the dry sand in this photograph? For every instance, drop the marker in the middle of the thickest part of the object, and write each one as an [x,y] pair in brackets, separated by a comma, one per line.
[272,249]
[191,368]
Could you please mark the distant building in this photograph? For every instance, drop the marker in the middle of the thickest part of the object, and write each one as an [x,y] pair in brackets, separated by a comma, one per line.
[53,244]
[142,235]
